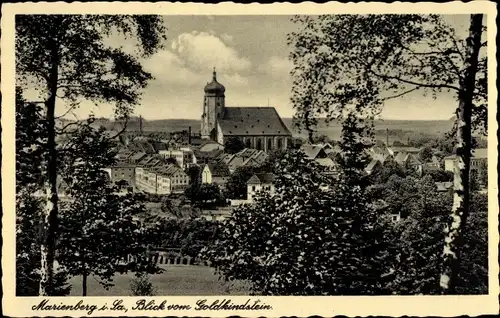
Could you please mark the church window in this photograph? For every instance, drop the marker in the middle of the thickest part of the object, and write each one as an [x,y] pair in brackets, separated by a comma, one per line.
[280,144]
[248,143]
[269,144]
[253,188]
[259,144]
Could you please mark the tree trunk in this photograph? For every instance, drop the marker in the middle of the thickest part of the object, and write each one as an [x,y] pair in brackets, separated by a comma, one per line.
[84,284]
[51,208]
[454,231]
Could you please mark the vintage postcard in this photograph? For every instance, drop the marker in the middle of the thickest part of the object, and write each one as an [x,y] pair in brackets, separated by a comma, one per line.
[169,159]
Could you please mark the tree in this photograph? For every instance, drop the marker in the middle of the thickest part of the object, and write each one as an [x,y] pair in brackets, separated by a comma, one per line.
[97,229]
[66,59]
[30,138]
[194,173]
[296,242]
[425,154]
[141,285]
[233,145]
[354,156]
[205,195]
[236,186]
[360,61]
[171,161]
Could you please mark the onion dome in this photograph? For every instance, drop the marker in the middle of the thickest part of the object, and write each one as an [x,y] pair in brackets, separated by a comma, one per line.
[215,87]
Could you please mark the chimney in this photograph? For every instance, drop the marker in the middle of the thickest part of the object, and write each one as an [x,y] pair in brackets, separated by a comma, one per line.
[189,135]
[387,137]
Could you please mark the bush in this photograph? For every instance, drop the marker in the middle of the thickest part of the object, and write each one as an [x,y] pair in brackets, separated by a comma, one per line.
[141,285]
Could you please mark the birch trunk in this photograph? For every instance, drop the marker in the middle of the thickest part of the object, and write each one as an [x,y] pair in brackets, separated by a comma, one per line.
[51,207]
[459,212]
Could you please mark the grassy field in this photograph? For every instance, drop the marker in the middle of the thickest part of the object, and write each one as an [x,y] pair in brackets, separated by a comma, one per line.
[175,281]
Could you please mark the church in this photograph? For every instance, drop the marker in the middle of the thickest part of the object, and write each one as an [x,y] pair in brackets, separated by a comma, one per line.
[257,127]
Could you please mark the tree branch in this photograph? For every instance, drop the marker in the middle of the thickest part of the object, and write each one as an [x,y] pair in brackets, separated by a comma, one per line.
[70,109]
[401,94]
[414,83]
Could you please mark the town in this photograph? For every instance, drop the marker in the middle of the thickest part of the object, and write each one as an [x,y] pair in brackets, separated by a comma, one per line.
[163,170]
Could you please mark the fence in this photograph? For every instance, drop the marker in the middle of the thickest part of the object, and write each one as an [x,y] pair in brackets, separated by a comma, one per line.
[171,256]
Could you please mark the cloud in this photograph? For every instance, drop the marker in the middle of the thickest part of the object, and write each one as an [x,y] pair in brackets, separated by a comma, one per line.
[229,39]
[277,67]
[202,50]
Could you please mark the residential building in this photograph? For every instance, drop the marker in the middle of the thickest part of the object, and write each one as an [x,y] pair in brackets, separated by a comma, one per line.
[215,173]
[478,161]
[260,182]
[123,171]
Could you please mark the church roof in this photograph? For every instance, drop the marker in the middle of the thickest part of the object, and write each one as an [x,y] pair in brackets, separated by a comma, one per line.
[241,121]
[214,86]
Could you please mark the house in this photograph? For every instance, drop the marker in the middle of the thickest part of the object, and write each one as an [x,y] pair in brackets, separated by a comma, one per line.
[394,151]
[373,166]
[244,158]
[216,173]
[202,157]
[433,163]
[321,157]
[183,156]
[136,157]
[123,171]
[313,152]
[161,178]
[171,179]
[478,161]
[260,182]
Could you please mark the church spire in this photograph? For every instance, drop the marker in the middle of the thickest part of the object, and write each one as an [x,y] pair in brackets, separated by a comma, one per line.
[215,75]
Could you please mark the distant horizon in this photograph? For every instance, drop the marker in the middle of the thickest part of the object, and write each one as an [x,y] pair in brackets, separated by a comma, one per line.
[160,119]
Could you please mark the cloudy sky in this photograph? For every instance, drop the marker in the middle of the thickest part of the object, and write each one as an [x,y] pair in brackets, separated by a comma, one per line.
[250,55]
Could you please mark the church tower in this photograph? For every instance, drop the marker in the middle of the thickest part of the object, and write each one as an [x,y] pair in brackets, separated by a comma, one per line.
[213,107]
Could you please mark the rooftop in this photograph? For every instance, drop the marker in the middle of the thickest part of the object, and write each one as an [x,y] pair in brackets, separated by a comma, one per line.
[241,121]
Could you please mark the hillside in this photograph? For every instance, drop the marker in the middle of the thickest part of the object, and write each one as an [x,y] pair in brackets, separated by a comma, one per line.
[431,127]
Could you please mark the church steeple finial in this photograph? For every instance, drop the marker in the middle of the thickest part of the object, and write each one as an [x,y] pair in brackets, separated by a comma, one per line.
[215,75]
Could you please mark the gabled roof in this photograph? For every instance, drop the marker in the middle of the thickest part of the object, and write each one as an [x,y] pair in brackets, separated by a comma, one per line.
[326,162]
[313,151]
[157,145]
[138,156]
[169,170]
[261,178]
[241,121]
[219,169]
[374,163]
[401,157]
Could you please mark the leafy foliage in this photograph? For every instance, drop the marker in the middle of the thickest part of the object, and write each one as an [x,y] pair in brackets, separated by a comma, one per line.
[233,145]
[357,62]
[141,285]
[304,240]
[98,228]
[205,195]
[87,67]
[420,238]
[30,158]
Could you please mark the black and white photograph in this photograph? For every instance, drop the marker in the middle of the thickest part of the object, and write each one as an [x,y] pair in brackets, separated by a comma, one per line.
[249,154]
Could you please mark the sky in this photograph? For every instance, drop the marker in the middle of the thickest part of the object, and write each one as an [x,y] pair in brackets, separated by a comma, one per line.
[250,54]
